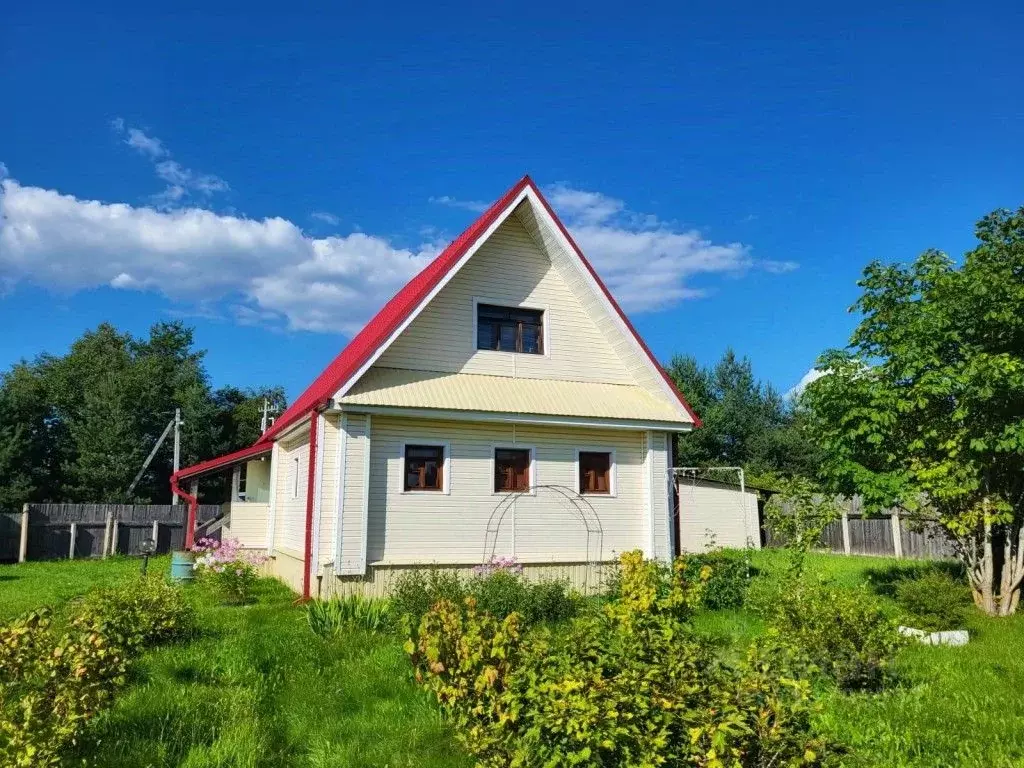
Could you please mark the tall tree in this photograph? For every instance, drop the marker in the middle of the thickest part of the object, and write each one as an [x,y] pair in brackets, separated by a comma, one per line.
[78,427]
[925,406]
[746,422]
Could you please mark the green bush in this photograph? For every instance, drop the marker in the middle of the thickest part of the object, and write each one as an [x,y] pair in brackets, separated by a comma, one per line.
[499,592]
[726,587]
[417,590]
[328,618]
[844,632]
[54,681]
[137,614]
[933,600]
[626,686]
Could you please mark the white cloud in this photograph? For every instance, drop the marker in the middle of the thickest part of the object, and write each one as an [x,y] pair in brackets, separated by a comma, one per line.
[646,262]
[182,182]
[325,217]
[476,206]
[798,389]
[266,270]
[778,267]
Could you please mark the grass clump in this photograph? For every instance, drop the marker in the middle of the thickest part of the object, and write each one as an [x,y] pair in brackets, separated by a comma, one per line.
[329,618]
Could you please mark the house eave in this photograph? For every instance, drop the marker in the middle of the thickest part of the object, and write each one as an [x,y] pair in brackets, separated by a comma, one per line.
[518,418]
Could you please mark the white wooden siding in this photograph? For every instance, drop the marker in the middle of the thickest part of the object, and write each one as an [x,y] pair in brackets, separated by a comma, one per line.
[352,552]
[328,449]
[661,517]
[289,507]
[577,283]
[719,513]
[510,269]
[452,528]
[248,523]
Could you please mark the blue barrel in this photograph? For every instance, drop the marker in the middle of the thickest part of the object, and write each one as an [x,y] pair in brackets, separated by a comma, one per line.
[182,566]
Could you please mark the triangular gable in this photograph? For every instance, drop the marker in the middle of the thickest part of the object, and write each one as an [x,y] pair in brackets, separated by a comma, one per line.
[367,345]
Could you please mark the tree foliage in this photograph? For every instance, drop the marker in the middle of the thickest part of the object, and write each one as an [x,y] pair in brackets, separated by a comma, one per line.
[925,407]
[78,427]
[746,422]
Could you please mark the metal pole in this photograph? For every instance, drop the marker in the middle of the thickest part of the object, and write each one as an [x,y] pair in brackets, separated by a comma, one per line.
[177,449]
[74,535]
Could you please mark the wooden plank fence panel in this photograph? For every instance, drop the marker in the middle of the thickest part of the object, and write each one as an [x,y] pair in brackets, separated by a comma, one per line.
[50,528]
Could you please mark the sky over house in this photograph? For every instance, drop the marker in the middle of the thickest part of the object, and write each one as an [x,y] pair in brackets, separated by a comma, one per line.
[273,174]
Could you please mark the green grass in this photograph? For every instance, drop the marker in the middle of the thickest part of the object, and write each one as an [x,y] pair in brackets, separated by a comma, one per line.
[26,586]
[952,706]
[256,688]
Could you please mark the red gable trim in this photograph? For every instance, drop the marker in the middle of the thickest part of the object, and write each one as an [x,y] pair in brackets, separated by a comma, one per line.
[369,340]
[257,449]
[365,343]
[615,305]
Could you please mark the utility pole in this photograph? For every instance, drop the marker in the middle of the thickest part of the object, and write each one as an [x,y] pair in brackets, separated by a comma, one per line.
[266,421]
[177,448]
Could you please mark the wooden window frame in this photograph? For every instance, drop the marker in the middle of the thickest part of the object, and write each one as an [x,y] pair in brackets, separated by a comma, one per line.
[612,473]
[446,475]
[495,447]
[545,346]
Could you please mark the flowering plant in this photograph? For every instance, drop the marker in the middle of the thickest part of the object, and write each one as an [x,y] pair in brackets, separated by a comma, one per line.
[496,564]
[230,567]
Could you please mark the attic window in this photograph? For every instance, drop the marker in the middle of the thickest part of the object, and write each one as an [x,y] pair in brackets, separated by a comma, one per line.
[510,329]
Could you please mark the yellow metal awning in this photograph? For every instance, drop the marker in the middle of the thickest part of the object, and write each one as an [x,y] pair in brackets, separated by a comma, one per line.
[395,387]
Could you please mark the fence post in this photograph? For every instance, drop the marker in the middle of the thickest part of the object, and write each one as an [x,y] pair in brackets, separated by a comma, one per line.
[846,530]
[156,532]
[23,542]
[107,533]
[897,538]
[74,535]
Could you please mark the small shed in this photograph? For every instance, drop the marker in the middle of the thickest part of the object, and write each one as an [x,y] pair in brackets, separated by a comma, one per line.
[717,514]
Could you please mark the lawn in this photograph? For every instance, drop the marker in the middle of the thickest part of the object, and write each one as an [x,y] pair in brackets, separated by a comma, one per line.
[952,706]
[257,688]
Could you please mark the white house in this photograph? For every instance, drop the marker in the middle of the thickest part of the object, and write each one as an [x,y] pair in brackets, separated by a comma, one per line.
[501,404]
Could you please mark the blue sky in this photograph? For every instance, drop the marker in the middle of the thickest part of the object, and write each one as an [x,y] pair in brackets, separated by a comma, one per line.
[272,173]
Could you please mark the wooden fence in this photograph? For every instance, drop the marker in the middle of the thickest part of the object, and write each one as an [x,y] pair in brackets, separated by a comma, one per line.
[890,534]
[49,531]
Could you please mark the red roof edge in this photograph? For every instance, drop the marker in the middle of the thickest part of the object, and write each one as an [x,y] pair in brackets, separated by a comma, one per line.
[615,305]
[257,449]
[396,311]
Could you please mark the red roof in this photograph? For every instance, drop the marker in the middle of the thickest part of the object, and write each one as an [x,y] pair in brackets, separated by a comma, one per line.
[369,340]
[258,448]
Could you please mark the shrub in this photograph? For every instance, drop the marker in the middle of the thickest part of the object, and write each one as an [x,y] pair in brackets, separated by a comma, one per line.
[551,601]
[726,587]
[53,682]
[844,632]
[416,590]
[933,600]
[498,588]
[51,685]
[136,614]
[625,686]
[233,570]
[327,618]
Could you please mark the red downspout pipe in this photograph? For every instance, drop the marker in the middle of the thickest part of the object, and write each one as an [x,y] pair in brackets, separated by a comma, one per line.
[307,560]
[193,504]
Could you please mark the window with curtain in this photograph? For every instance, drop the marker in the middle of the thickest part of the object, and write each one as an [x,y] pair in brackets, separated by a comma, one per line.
[511,469]
[424,467]
[509,329]
[595,472]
